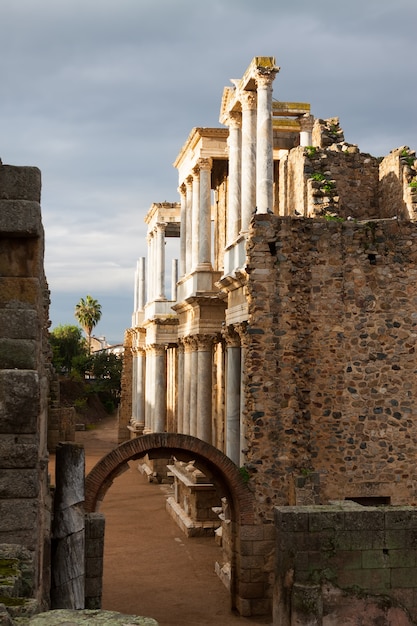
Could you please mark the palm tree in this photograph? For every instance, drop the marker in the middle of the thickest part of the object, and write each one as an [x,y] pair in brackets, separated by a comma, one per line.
[88,314]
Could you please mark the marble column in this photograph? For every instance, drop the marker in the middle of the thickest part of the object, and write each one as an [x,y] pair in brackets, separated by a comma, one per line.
[174,279]
[180,388]
[188,224]
[306,129]
[193,388]
[159,389]
[151,266]
[149,380]
[264,144]
[187,386]
[235,173]
[205,387]
[183,230]
[204,220]
[233,371]
[138,400]
[248,191]
[160,262]
[195,227]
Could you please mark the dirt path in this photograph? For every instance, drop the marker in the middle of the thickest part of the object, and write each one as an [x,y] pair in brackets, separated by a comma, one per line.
[150,567]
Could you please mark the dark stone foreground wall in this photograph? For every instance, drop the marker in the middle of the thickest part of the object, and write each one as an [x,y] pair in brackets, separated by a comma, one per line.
[24,372]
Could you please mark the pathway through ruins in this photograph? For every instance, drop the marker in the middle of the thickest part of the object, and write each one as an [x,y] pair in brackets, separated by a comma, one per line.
[150,567]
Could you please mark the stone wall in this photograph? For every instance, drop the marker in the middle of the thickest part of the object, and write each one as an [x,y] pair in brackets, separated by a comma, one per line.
[330,386]
[337,562]
[24,372]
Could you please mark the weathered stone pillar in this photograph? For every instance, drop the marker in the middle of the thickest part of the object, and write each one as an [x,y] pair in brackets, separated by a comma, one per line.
[195,218]
[160,261]
[235,173]
[204,220]
[233,371]
[68,528]
[94,553]
[193,388]
[204,390]
[306,125]
[248,157]
[160,389]
[264,143]
[183,230]
[180,388]
[189,225]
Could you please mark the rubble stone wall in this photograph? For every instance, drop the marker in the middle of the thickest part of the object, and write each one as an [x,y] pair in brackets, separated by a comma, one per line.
[330,364]
[24,371]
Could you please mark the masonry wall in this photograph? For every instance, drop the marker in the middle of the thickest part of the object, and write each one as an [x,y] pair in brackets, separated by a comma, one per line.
[337,562]
[24,372]
[330,385]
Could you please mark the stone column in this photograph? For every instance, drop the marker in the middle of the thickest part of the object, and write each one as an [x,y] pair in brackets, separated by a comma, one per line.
[204,220]
[193,388]
[235,173]
[151,266]
[174,279]
[68,528]
[149,382]
[195,218]
[141,284]
[264,143]
[139,391]
[180,388]
[233,371]
[160,389]
[248,158]
[187,385]
[183,230]
[306,125]
[205,385]
[189,224]
[160,261]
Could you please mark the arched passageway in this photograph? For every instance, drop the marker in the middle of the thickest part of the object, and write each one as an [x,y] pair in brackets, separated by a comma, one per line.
[249,538]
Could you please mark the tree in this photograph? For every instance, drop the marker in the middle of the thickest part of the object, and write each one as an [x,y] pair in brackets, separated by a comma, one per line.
[103,371]
[88,313]
[67,345]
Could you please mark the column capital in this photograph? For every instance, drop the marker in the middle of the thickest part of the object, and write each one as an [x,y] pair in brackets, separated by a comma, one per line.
[190,343]
[196,171]
[189,182]
[234,119]
[182,189]
[205,164]
[248,101]
[265,77]
[204,342]
[231,337]
[306,122]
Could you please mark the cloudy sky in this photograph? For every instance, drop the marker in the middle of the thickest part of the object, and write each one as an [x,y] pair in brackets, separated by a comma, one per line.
[102,94]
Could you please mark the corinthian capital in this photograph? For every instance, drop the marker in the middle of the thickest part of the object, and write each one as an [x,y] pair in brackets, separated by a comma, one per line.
[248,100]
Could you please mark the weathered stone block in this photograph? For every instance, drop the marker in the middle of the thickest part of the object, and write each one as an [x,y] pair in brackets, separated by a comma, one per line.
[17,515]
[20,183]
[19,324]
[18,483]
[20,394]
[18,354]
[19,293]
[17,455]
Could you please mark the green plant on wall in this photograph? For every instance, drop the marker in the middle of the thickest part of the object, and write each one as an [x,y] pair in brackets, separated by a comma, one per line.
[310,151]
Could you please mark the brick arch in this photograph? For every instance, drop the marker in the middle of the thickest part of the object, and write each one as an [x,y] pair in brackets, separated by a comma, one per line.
[249,585]
[182,447]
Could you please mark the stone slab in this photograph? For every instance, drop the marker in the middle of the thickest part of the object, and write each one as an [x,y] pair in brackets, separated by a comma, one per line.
[88,617]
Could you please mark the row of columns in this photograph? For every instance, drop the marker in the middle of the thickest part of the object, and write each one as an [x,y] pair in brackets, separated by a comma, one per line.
[195,242]
[193,377]
[250,157]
